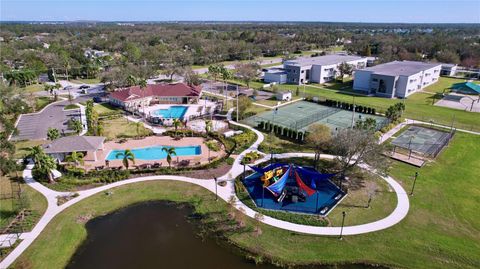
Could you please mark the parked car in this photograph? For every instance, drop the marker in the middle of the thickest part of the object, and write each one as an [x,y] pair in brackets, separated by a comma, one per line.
[98,99]
[69,87]
[84,87]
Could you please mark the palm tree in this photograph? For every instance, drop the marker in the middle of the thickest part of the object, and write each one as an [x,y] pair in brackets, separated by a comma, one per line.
[126,156]
[53,133]
[208,126]
[176,124]
[226,74]
[170,151]
[46,164]
[35,153]
[75,158]
[75,125]
[131,80]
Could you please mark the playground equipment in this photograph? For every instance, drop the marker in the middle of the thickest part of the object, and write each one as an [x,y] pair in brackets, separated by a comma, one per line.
[285,181]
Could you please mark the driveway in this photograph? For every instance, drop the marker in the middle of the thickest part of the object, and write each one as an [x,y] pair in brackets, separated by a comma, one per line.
[34,126]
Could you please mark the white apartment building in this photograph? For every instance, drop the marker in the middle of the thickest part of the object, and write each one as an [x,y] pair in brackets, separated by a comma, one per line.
[396,79]
[319,69]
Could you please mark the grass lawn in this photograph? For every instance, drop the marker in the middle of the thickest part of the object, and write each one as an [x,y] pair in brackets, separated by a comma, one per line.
[120,127]
[441,230]
[34,201]
[71,106]
[34,88]
[86,81]
[42,102]
[21,147]
[106,109]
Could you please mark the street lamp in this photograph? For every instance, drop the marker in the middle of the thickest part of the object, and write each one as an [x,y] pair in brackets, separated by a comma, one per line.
[216,193]
[343,222]
[414,181]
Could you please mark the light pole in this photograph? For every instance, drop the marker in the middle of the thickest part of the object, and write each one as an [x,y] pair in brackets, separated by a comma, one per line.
[343,222]
[414,181]
[216,193]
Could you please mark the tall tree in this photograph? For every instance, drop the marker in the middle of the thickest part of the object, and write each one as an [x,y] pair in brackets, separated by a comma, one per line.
[345,69]
[318,138]
[356,146]
[247,72]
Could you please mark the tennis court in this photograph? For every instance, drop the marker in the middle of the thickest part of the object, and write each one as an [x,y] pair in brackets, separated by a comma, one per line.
[422,140]
[300,115]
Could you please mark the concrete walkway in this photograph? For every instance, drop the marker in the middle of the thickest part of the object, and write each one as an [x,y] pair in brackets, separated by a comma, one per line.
[225,193]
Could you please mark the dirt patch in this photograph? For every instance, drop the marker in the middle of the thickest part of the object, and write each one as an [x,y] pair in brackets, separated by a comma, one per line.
[82,219]
[209,173]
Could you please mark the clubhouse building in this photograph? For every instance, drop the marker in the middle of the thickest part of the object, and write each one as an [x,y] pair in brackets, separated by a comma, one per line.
[135,97]
[396,79]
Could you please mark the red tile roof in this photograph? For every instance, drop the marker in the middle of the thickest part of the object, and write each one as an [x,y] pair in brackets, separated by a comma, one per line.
[163,90]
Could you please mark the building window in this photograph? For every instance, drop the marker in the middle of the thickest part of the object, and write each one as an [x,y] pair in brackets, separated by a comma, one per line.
[375,80]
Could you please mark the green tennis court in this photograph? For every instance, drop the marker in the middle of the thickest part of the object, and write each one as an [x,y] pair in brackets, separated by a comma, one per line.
[301,114]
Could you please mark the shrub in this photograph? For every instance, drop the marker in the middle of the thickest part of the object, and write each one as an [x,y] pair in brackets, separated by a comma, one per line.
[230,160]
[373,111]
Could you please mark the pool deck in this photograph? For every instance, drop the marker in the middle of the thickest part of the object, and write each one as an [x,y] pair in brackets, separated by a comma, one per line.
[154,141]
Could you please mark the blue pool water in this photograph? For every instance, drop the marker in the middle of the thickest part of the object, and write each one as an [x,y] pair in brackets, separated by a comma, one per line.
[324,197]
[156,153]
[173,112]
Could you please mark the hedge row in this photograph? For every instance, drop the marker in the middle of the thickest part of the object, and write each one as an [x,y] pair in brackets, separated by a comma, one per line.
[347,106]
[281,131]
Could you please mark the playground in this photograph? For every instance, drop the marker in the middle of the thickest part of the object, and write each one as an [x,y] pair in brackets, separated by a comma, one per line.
[292,188]
[300,115]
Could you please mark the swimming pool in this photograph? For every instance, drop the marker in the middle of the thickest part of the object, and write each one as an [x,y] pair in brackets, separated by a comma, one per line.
[173,112]
[156,152]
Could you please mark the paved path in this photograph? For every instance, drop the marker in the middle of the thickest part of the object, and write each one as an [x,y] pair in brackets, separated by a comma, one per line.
[280,105]
[224,193]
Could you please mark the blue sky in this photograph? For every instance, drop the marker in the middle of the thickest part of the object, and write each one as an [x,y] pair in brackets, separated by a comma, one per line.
[423,11]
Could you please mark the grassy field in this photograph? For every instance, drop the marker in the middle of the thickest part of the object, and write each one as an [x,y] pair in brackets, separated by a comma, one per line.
[440,231]
[120,127]
[105,108]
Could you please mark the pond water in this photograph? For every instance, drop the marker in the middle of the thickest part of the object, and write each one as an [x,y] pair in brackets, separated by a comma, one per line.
[155,235]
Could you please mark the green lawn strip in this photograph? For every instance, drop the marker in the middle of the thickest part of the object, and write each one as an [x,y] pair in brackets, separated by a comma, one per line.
[42,102]
[71,106]
[86,81]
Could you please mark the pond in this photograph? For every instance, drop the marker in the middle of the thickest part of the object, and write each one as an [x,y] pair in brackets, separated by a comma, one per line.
[155,235]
